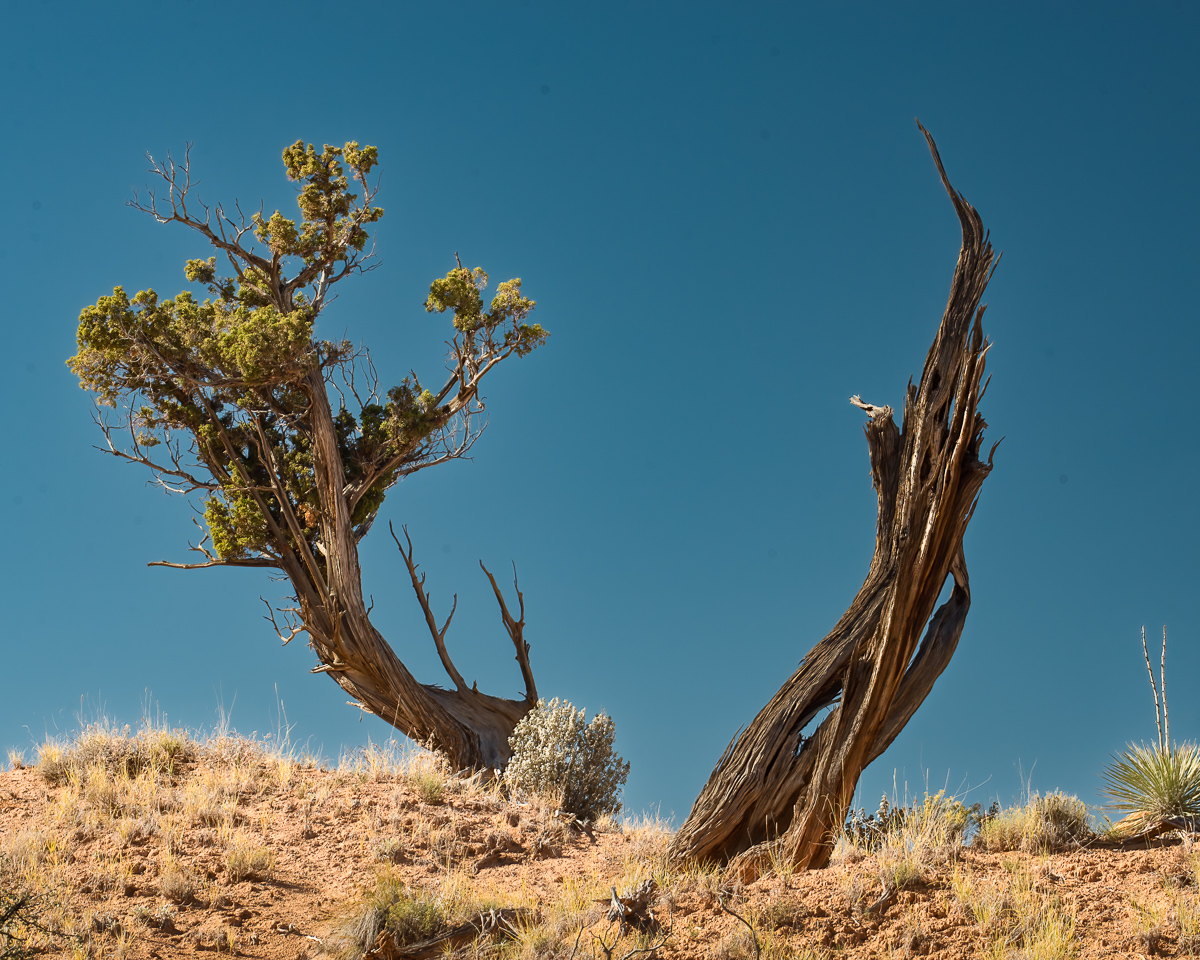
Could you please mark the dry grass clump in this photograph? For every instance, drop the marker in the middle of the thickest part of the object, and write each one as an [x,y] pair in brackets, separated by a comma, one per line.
[175,881]
[387,905]
[906,846]
[645,852]
[102,745]
[1018,919]
[28,851]
[1043,824]
[117,791]
[424,773]
[930,835]
[247,860]
[210,798]
[1187,919]
[426,776]
[377,761]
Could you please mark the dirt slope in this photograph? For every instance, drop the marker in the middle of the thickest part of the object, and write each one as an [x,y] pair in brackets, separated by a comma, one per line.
[262,858]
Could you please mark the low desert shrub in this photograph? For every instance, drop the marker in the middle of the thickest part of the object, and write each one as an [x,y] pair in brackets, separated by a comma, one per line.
[941,819]
[866,831]
[927,836]
[556,753]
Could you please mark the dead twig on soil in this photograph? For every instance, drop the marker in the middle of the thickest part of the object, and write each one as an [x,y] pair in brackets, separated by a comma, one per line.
[753,934]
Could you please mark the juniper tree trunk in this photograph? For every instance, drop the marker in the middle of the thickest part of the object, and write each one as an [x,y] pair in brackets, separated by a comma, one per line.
[469,728]
[776,792]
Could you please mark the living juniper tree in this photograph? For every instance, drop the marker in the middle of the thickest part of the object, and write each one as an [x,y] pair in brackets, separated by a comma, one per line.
[288,440]
[784,785]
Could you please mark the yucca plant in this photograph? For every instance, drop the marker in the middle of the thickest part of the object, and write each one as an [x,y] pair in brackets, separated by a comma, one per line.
[1160,781]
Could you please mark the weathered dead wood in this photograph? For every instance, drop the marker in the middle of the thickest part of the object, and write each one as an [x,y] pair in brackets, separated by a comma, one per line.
[633,908]
[1141,827]
[781,789]
[489,923]
[470,728]
[574,825]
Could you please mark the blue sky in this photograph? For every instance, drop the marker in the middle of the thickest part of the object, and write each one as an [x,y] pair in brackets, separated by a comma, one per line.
[731,224]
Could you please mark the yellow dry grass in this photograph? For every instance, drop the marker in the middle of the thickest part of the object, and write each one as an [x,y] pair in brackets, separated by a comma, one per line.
[193,824]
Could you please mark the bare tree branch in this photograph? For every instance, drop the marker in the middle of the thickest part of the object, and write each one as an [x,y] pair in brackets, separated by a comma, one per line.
[439,636]
[516,631]
[293,627]
[245,562]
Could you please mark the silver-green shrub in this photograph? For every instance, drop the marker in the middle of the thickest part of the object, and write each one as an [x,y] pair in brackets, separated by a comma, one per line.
[554,752]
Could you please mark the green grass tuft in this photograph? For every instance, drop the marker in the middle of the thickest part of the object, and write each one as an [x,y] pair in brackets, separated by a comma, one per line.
[407,915]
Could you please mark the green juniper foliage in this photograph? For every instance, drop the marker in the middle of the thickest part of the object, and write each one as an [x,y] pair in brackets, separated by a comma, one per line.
[225,382]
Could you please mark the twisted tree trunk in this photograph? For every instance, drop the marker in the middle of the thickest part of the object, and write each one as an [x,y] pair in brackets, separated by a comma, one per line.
[469,728]
[775,791]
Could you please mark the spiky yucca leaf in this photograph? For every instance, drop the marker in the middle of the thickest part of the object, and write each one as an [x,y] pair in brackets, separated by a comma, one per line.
[1158,782]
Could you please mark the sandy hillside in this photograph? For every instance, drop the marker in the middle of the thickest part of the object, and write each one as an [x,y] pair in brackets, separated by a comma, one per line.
[156,846]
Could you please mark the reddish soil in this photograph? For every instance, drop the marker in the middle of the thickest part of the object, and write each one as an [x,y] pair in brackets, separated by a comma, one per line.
[330,838]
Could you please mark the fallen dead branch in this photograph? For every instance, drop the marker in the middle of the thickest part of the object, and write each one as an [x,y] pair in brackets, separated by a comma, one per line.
[487,923]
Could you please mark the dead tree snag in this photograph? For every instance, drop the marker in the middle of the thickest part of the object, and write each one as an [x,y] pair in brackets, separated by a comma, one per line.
[778,792]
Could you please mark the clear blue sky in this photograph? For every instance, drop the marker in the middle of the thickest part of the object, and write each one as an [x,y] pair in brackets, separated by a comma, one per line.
[731,224]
